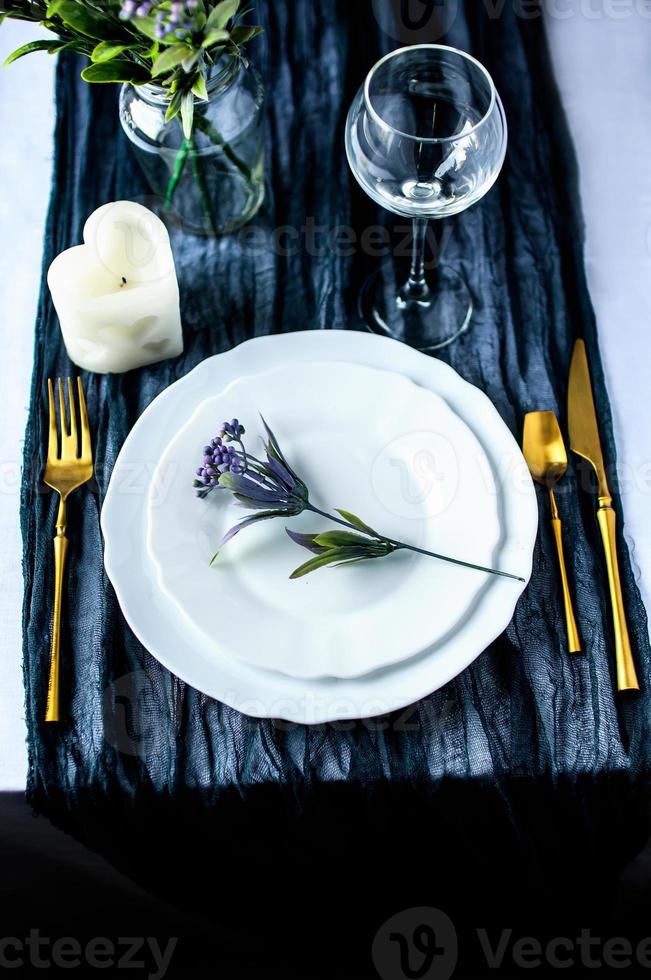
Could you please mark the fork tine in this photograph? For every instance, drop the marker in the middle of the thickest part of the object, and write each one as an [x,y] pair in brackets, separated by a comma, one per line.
[86,451]
[63,419]
[52,442]
[73,417]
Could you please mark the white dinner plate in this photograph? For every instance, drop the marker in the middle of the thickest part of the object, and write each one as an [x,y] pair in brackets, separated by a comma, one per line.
[370,441]
[177,643]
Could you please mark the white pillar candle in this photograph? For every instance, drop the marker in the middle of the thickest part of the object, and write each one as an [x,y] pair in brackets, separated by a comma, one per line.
[117,296]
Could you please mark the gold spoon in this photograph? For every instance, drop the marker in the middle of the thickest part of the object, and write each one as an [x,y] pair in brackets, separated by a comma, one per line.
[544,451]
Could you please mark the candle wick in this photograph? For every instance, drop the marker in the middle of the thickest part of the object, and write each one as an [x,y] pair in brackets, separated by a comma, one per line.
[123,283]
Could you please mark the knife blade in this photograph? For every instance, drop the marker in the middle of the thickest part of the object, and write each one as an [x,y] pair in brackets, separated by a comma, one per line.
[585,441]
[582,416]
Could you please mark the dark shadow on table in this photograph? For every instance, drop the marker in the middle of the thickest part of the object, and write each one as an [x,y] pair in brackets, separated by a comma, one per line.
[301,888]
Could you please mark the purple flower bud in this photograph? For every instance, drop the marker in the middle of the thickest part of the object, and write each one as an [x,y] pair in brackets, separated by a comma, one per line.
[200,471]
[206,481]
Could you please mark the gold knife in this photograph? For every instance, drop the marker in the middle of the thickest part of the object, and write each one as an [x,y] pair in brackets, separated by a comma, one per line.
[584,440]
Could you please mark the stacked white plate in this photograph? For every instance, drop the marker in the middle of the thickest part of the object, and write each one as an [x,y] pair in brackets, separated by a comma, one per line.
[371,426]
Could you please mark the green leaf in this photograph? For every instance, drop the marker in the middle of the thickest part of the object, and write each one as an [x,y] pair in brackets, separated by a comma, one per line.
[219,35]
[199,88]
[314,563]
[187,114]
[146,26]
[107,50]
[82,19]
[242,34]
[81,47]
[222,13]
[119,70]
[32,46]
[358,522]
[341,539]
[188,63]
[170,58]
[174,107]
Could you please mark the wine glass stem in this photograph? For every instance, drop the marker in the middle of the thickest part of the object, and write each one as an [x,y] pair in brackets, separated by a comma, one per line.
[416,287]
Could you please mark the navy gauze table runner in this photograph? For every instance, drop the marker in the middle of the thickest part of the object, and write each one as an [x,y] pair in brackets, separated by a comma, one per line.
[475,780]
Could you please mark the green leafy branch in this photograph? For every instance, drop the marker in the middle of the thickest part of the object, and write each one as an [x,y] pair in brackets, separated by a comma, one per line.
[129,47]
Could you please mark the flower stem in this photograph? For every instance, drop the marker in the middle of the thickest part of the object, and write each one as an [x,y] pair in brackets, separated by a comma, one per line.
[217,139]
[177,173]
[188,149]
[401,546]
[200,181]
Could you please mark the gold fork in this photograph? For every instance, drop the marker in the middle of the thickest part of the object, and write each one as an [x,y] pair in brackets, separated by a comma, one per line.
[68,467]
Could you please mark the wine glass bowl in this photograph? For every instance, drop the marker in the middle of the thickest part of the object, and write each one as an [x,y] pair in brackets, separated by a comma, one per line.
[426,138]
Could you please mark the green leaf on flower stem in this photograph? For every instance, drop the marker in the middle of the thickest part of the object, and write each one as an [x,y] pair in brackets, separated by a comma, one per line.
[118,70]
[313,563]
[339,556]
[341,539]
[32,46]
[170,58]
[222,13]
[358,522]
[107,50]
[187,114]
[82,19]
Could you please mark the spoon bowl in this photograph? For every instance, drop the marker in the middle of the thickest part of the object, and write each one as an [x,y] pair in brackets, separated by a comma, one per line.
[544,449]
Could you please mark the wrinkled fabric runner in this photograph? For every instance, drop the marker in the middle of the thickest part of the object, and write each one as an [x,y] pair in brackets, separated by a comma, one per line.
[526,733]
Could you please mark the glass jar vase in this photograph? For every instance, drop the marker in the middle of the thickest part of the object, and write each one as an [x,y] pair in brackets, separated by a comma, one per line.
[212,183]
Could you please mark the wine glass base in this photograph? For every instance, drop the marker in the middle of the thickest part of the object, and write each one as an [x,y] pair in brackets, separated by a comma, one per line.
[431,321]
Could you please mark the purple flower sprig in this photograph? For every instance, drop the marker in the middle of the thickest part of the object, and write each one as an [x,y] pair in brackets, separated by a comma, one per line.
[268,486]
[175,21]
[273,489]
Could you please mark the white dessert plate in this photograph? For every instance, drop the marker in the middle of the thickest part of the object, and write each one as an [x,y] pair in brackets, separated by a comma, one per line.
[175,640]
[369,441]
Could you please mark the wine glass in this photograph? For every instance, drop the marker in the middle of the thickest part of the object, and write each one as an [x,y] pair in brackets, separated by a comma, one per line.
[426,138]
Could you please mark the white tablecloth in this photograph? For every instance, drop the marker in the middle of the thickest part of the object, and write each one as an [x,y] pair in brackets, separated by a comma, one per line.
[602,57]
